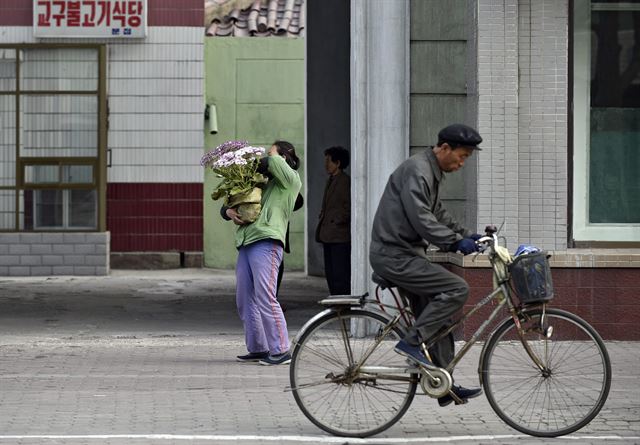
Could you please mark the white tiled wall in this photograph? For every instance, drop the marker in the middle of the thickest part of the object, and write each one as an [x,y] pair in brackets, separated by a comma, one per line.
[156,105]
[522,116]
[156,102]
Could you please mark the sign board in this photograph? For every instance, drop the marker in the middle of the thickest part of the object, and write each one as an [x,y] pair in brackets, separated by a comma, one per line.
[90,18]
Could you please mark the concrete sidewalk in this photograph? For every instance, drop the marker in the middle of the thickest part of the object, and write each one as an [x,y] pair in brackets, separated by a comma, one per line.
[162,302]
[149,357]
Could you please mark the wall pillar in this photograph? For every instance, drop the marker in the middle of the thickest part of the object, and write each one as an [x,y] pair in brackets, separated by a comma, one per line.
[379,116]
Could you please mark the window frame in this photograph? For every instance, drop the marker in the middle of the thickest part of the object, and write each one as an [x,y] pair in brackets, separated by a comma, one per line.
[99,162]
[583,232]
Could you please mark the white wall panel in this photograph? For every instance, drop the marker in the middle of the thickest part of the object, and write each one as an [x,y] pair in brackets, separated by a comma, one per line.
[156,121]
[155,35]
[157,173]
[16,34]
[148,52]
[157,70]
[156,103]
[159,156]
[174,104]
[156,139]
[154,87]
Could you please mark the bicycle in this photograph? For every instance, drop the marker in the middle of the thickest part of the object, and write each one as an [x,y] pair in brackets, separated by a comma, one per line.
[545,372]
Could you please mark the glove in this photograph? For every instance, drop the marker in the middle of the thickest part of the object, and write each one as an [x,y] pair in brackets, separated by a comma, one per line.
[465,245]
[476,236]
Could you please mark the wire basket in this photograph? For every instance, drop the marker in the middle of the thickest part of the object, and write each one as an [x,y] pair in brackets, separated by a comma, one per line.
[531,278]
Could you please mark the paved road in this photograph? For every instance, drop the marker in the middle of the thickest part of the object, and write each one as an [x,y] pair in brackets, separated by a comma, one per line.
[149,358]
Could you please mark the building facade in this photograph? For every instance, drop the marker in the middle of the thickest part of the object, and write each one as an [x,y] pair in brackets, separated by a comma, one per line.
[552,88]
[101,135]
[103,159]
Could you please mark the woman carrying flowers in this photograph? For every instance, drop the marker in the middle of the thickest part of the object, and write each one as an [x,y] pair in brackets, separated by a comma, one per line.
[260,248]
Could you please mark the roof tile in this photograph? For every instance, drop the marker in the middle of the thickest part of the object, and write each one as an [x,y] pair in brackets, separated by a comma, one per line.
[262,18]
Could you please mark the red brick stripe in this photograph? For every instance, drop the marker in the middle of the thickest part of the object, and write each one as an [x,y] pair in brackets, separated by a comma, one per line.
[147,217]
[16,12]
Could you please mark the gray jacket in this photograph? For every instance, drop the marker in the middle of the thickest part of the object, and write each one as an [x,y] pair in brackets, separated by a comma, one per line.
[410,215]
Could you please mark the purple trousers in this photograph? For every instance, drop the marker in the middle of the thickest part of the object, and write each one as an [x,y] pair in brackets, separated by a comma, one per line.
[265,328]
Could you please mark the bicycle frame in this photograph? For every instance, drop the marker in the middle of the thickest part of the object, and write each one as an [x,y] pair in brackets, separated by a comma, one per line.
[498,294]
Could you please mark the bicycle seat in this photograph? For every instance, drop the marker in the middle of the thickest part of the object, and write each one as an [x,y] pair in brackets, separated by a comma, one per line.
[383,283]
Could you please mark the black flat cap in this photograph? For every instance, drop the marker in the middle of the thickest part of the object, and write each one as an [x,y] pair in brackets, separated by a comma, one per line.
[460,134]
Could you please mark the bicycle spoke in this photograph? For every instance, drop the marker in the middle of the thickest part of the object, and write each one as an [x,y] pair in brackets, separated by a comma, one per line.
[351,402]
[562,397]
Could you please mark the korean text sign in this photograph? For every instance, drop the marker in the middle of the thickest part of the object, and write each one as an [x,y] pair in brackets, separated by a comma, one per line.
[90,18]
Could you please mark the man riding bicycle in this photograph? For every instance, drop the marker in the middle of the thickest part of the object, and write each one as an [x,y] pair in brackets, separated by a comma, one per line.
[409,218]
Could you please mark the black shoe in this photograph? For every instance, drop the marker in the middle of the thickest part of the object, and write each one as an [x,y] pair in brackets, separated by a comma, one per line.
[253,356]
[463,393]
[414,353]
[279,359]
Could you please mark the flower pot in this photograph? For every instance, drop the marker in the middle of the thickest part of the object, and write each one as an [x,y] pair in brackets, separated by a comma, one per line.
[247,204]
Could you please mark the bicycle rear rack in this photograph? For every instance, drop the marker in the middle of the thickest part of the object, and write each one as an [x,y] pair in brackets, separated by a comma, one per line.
[401,305]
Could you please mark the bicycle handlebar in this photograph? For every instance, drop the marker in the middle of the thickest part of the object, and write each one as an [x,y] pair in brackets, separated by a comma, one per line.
[489,240]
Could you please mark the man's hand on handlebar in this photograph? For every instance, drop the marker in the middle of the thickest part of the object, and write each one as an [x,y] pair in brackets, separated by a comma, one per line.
[465,246]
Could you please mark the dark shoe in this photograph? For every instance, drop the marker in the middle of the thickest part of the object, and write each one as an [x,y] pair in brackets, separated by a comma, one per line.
[414,353]
[279,359]
[253,356]
[463,393]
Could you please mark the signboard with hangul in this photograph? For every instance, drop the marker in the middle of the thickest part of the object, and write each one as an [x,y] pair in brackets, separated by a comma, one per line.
[90,18]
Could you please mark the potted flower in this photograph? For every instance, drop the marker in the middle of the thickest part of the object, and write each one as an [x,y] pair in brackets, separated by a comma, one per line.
[236,162]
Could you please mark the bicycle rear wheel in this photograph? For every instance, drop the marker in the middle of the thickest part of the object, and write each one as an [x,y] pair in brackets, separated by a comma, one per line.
[567,393]
[330,389]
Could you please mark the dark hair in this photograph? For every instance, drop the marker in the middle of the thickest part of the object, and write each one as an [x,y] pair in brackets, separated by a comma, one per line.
[288,151]
[338,154]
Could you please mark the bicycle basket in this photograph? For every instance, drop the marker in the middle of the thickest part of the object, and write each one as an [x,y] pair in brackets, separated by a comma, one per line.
[531,278]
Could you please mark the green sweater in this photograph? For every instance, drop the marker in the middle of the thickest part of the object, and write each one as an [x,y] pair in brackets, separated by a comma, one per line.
[278,199]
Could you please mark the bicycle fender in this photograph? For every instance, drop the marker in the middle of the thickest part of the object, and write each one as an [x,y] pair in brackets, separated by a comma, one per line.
[309,322]
[480,362]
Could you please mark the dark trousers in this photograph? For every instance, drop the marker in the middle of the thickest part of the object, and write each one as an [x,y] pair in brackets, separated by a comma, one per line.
[337,267]
[435,294]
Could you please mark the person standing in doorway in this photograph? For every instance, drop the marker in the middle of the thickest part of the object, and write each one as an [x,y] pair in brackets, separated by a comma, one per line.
[334,226]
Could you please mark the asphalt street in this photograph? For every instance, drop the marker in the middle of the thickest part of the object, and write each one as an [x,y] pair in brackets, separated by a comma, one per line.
[149,357]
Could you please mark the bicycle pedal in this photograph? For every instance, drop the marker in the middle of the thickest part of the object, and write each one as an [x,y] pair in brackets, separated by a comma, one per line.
[457,400]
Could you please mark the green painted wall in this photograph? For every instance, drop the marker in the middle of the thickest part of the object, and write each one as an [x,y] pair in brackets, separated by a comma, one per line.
[257,85]
[439,95]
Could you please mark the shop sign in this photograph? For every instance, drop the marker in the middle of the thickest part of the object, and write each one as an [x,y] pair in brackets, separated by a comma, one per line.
[90,18]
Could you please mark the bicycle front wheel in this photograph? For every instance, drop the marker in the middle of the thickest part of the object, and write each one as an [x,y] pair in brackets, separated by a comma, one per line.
[331,387]
[569,390]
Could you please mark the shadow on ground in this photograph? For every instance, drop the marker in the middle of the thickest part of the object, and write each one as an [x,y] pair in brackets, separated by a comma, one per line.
[186,301]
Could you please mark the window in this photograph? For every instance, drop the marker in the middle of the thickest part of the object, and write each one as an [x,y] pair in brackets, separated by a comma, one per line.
[52,137]
[606,120]
[59,196]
